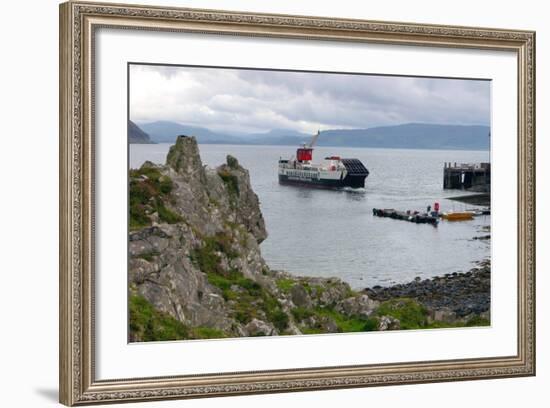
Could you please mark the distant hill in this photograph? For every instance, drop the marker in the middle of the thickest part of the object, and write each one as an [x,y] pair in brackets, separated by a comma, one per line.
[136,135]
[166,132]
[411,136]
[275,133]
[406,136]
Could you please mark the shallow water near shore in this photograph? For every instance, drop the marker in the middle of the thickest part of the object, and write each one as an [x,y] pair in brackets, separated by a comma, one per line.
[326,233]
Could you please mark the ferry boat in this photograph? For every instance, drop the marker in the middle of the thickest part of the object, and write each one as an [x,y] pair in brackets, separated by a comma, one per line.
[332,172]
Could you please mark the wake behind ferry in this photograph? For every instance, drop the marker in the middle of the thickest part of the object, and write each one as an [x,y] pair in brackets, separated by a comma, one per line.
[332,172]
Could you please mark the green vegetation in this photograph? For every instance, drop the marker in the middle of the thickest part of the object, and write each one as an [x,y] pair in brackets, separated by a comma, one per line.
[238,230]
[207,258]
[253,301]
[233,278]
[149,190]
[222,242]
[167,215]
[285,284]
[149,255]
[348,323]
[231,183]
[273,311]
[250,299]
[309,330]
[322,315]
[343,323]
[149,324]
[477,321]
[302,313]
[411,314]
[207,333]
[371,324]
[315,291]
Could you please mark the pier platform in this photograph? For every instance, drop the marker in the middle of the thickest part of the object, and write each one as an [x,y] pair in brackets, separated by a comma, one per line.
[467,176]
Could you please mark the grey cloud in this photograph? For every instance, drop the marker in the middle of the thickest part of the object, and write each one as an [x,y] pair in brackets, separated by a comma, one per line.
[256,100]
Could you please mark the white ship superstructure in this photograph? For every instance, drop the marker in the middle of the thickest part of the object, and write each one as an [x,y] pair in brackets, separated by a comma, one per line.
[332,172]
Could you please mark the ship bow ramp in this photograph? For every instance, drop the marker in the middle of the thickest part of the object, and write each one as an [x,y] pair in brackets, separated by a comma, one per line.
[356,173]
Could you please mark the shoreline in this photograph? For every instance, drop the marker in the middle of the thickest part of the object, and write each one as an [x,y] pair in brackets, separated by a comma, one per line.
[452,296]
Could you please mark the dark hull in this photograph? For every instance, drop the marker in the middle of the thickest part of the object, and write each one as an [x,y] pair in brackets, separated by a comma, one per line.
[349,181]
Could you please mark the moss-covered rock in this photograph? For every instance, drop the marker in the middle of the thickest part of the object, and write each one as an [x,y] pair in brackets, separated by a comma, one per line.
[149,196]
[149,324]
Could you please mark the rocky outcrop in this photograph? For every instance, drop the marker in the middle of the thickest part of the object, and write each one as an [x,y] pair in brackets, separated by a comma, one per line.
[200,231]
[196,270]
[361,305]
[388,323]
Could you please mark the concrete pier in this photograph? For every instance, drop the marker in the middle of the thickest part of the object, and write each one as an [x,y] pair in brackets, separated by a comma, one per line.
[467,176]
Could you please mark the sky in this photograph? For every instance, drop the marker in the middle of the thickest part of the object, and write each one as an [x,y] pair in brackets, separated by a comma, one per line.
[236,101]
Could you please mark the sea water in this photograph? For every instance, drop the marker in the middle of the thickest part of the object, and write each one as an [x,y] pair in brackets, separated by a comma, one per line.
[314,232]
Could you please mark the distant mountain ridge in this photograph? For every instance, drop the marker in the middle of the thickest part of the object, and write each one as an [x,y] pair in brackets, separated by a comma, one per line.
[137,135]
[166,132]
[405,136]
[411,136]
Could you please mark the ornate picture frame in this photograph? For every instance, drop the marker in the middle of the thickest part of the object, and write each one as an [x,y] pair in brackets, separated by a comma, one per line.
[79,22]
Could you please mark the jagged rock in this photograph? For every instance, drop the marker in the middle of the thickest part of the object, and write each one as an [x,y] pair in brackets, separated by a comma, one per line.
[311,322]
[259,328]
[214,233]
[334,291]
[300,297]
[361,306]
[328,325]
[388,323]
[184,158]
[293,329]
[445,315]
[243,198]
[142,270]
[323,323]
[232,162]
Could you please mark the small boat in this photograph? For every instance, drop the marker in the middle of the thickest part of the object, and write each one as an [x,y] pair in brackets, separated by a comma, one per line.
[411,216]
[458,216]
